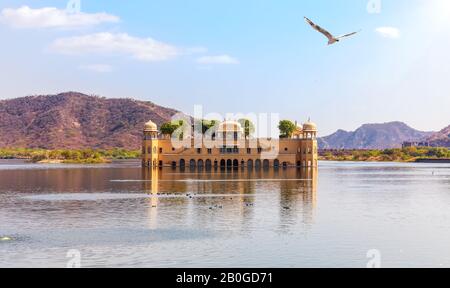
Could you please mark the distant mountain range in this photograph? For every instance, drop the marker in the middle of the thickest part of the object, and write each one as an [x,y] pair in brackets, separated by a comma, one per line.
[75,120]
[374,136]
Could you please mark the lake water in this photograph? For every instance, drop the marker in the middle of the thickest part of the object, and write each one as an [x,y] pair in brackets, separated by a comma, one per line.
[121,215]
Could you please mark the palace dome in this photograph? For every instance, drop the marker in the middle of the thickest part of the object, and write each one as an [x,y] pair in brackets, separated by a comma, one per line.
[150,126]
[298,131]
[230,126]
[309,127]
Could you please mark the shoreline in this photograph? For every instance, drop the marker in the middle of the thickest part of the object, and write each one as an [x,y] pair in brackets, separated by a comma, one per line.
[419,160]
[400,155]
[433,161]
[93,156]
[68,156]
[59,161]
[109,161]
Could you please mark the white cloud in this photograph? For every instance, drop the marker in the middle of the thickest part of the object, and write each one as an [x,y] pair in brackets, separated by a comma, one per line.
[144,49]
[99,68]
[50,17]
[220,59]
[388,32]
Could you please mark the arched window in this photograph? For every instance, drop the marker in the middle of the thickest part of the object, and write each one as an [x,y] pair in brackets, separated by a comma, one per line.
[276,163]
[182,163]
[266,164]
[250,163]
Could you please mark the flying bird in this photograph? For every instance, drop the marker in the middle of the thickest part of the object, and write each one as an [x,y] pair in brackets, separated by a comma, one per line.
[331,39]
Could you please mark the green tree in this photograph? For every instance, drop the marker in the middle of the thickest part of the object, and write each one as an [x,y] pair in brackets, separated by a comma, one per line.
[249,127]
[287,128]
[170,127]
[205,124]
[209,124]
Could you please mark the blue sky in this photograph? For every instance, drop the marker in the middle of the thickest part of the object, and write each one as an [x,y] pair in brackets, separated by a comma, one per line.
[239,56]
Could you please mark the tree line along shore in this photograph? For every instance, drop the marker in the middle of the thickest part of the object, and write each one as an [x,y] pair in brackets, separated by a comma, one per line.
[99,156]
[69,156]
[409,154]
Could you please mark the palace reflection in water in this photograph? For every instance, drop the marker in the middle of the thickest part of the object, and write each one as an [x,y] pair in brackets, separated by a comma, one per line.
[237,192]
[121,215]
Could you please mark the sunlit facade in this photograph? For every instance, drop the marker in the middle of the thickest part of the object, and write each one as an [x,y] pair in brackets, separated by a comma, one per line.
[228,147]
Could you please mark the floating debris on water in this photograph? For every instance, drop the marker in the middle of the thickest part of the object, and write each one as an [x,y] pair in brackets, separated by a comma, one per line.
[118,196]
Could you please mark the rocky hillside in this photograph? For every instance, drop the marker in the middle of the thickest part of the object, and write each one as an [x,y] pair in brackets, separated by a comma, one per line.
[373,136]
[441,138]
[74,120]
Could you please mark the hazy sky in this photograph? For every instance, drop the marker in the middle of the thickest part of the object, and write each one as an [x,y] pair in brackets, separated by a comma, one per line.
[238,56]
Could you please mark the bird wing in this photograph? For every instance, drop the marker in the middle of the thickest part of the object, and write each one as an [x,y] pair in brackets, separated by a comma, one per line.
[347,35]
[320,29]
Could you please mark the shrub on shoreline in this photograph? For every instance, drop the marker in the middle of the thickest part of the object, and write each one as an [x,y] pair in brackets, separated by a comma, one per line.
[82,156]
[410,154]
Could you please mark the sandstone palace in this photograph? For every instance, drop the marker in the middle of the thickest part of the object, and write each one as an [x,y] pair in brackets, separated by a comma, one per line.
[227,147]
